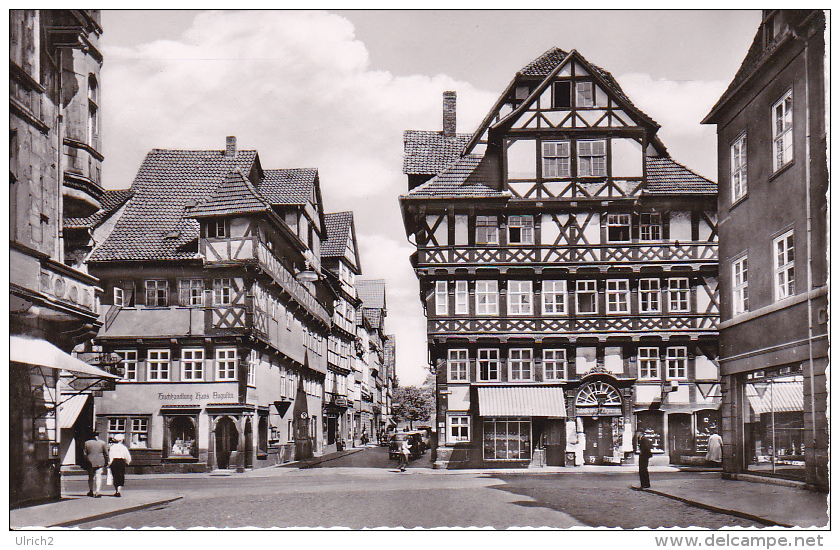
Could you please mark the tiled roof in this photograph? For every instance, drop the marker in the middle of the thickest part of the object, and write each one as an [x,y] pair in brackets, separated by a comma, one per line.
[667,177]
[373,315]
[111,201]
[547,62]
[338,228]
[371,292]
[235,196]
[427,153]
[288,186]
[153,226]
[454,182]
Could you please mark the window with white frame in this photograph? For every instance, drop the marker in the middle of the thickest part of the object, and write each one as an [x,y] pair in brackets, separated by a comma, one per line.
[458,365]
[191,292]
[618,296]
[93,112]
[649,296]
[222,292]
[649,363]
[520,230]
[119,297]
[116,426]
[488,365]
[462,298]
[157,364]
[128,363]
[459,428]
[157,293]
[217,229]
[192,364]
[782,114]
[650,226]
[441,298]
[678,292]
[486,230]
[592,158]
[738,167]
[520,298]
[618,227]
[554,364]
[253,363]
[487,297]
[521,364]
[554,297]
[225,363]
[740,289]
[556,159]
[677,361]
[139,433]
[783,265]
[584,94]
[586,297]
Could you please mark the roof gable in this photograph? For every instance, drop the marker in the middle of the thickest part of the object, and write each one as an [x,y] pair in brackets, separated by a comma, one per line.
[288,185]
[236,195]
[427,153]
[341,238]
[372,293]
[668,177]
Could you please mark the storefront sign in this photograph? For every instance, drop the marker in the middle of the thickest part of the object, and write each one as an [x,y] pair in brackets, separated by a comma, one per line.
[598,411]
[195,396]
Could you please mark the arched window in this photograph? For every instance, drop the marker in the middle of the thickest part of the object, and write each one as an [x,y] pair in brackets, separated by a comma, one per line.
[598,394]
[93,112]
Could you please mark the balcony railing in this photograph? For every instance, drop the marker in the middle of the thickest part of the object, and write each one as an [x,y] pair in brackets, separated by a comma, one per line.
[579,325]
[603,253]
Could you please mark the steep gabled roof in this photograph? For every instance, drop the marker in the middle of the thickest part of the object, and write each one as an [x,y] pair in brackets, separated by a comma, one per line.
[373,315]
[338,229]
[153,225]
[371,292]
[111,201]
[236,195]
[427,153]
[667,177]
[455,182]
[288,186]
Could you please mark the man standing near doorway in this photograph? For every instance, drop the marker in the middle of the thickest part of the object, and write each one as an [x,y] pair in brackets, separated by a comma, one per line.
[644,459]
[96,453]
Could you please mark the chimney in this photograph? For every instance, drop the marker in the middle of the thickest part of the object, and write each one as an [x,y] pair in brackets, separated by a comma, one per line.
[449,114]
[230,146]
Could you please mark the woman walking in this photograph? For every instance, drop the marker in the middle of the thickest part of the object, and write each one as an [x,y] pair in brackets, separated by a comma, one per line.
[120,458]
[404,451]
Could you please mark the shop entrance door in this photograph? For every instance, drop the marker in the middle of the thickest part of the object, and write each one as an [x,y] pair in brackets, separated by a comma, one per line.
[555,442]
[332,429]
[249,444]
[227,441]
[599,439]
[680,440]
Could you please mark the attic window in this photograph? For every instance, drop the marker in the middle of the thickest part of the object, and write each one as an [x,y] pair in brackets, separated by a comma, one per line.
[584,94]
[217,229]
[173,235]
[562,95]
[522,92]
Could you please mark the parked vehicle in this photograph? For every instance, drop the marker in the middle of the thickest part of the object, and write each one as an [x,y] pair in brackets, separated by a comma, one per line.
[426,434]
[415,445]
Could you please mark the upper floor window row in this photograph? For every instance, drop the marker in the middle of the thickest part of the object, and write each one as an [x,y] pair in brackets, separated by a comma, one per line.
[591,158]
[584,94]
[191,292]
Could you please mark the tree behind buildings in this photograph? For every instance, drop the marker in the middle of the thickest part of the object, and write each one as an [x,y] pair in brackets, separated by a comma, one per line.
[413,404]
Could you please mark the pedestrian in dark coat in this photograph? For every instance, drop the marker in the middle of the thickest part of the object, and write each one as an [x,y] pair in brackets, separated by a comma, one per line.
[644,459]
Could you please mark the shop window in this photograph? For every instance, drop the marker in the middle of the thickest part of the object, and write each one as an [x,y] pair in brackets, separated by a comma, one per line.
[740,288]
[520,298]
[783,265]
[651,423]
[192,364]
[782,114]
[139,433]
[226,364]
[459,428]
[488,365]
[650,226]
[738,167]
[649,363]
[441,298]
[462,296]
[116,426]
[678,291]
[157,293]
[521,364]
[618,227]
[554,364]
[556,159]
[191,292]
[486,230]
[649,296]
[521,230]
[487,297]
[554,297]
[592,158]
[128,364]
[157,364]
[507,439]
[774,424]
[618,296]
[223,292]
[677,359]
[586,297]
[182,437]
[458,365]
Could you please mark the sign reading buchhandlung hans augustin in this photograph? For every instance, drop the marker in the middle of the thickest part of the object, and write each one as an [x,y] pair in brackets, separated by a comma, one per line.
[191,397]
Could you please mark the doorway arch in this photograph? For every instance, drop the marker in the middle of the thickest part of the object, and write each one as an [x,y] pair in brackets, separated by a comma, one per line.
[227,441]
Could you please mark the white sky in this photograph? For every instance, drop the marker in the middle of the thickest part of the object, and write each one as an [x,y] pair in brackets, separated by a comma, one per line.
[336,90]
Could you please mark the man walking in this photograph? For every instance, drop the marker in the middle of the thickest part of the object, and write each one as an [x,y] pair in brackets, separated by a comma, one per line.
[644,459]
[96,453]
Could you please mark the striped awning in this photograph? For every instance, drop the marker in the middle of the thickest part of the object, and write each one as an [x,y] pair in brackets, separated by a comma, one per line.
[521,401]
[69,410]
[778,397]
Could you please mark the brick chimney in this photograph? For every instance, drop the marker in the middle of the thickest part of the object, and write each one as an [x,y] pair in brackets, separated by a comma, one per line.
[230,146]
[449,114]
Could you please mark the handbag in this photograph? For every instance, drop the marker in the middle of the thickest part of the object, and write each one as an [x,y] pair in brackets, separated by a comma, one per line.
[109,479]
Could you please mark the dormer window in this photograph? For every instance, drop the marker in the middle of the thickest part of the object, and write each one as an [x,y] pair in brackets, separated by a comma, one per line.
[584,94]
[217,229]
[562,95]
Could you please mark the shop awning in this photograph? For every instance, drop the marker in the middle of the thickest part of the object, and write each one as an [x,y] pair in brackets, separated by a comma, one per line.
[782,397]
[34,351]
[69,410]
[521,401]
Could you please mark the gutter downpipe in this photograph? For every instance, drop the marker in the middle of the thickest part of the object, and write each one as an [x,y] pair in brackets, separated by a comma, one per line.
[809,253]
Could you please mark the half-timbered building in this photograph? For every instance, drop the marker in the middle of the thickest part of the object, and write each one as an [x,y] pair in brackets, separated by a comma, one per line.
[215,302]
[374,381]
[568,271]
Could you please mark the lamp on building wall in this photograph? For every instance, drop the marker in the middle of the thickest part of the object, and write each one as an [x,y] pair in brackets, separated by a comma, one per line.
[308,275]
